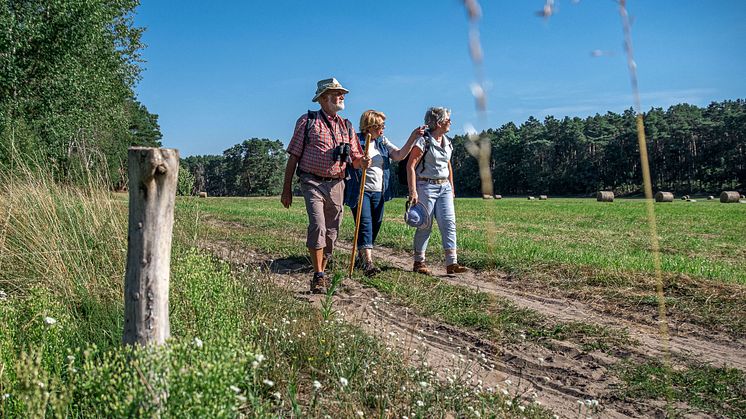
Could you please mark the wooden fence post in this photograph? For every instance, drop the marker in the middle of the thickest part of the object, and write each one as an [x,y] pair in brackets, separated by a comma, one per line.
[152,192]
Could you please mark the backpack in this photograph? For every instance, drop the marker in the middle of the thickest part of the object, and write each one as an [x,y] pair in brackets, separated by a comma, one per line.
[401,169]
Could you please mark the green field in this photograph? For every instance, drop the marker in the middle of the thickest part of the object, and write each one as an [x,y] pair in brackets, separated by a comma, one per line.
[703,240]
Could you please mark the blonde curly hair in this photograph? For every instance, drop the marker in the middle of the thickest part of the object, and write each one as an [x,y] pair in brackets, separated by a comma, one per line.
[371,118]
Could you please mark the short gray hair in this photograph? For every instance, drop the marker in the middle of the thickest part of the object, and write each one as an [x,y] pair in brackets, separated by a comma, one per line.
[436,115]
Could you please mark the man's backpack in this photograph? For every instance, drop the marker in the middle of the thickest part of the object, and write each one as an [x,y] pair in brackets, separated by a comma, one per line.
[401,169]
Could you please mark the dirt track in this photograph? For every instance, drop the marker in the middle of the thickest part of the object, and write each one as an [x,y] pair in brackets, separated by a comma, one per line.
[558,377]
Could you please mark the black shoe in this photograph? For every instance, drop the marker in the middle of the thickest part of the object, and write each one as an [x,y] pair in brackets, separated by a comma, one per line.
[319,283]
[370,269]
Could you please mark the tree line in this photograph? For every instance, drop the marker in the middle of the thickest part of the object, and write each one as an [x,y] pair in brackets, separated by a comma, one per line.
[690,149]
[67,73]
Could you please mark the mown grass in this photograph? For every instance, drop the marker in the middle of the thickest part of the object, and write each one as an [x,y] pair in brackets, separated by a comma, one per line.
[241,346]
[702,240]
[497,318]
[719,391]
[580,246]
[557,258]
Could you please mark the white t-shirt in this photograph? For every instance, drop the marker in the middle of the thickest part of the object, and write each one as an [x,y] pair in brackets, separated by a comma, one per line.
[374,174]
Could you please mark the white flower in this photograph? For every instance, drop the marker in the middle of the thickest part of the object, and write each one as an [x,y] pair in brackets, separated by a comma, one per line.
[241,399]
[423,384]
[420,403]
[594,402]
[505,391]
[522,408]
[71,358]
[6,395]
[259,358]
[49,321]
[509,403]
[198,343]
[316,385]
[277,395]
[254,364]
[235,389]
[360,413]
[268,383]
[3,295]
[343,381]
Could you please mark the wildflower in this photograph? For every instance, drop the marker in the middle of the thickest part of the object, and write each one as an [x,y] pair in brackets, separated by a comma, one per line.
[423,384]
[360,413]
[3,295]
[343,381]
[505,391]
[71,358]
[316,385]
[259,358]
[235,389]
[268,383]
[594,403]
[277,395]
[522,408]
[420,403]
[6,396]
[509,403]
[198,343]
[254,364]
[241,399]
[50,321]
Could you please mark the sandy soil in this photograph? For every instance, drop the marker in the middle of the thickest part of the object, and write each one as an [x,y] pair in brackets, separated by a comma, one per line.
[558,378]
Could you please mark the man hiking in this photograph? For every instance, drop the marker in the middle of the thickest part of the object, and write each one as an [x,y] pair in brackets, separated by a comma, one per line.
[322,146]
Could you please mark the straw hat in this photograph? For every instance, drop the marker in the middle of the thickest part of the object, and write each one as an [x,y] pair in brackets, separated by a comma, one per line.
[327,84]
[416,215]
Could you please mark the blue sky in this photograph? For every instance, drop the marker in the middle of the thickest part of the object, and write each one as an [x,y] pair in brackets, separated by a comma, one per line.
[220,72]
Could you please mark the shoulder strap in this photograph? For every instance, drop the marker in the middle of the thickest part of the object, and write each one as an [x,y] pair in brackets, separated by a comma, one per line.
[428,142]
[311,115]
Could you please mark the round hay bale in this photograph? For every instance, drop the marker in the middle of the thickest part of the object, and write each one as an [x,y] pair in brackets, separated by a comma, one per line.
[531,198]
[605,196]
[664,196]
[729,197]
[203,194]
[486,196]
[710,198]
[543,197]
[498,197]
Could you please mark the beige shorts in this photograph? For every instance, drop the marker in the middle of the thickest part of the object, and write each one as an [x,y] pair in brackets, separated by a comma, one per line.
[324,205]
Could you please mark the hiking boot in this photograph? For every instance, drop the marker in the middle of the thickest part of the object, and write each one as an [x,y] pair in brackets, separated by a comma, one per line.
[421,268]
[455,268]
[319,283]
[370,269]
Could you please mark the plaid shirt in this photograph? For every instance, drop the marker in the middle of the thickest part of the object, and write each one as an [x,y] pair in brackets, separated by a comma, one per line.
[316,156]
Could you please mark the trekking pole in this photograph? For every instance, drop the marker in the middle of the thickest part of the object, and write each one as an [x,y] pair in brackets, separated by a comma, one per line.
[359,208]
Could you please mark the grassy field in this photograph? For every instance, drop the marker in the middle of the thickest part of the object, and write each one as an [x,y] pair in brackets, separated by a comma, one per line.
[703,240]
[241,346]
